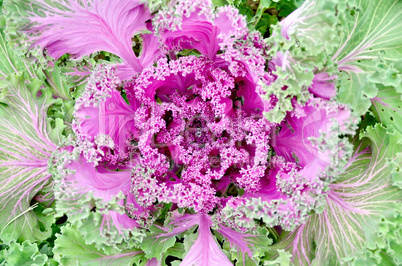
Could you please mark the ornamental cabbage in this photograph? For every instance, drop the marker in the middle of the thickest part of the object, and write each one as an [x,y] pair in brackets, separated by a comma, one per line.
[200,132]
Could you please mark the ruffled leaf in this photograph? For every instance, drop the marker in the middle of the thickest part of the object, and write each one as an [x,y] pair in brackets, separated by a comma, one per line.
[358,42]
[385,245]
[371,51]
[387,106]
[94,199]
[358,200]
[71,248]
[25,254]
[245,248]
[80,29]
[26,144]
[300,50]
[10,63]
[160,239]
[283,259]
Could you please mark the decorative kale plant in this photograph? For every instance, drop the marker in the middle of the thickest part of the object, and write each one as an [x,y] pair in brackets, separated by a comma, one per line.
[200,133]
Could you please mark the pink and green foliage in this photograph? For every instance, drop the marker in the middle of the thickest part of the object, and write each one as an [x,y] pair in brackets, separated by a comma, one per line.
[205,250]
[81,28]
[26,144]
[173,132]
[356,202]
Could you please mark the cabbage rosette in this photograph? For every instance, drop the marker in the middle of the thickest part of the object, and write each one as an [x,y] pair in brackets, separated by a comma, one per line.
[200,132]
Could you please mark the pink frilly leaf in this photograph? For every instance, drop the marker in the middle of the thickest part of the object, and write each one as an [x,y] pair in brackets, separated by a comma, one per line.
[82,28]
[205,251]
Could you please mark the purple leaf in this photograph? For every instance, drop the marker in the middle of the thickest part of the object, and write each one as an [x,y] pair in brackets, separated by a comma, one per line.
[81,28]
[205,251]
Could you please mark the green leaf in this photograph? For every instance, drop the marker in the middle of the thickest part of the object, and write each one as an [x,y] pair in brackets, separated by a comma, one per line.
[358,41]
[160,239]
[385,240]
[356,91]
[285,7]
[245,248]
[11,63]
[25,254]
[262,6]
[370,52]
[375,32]
[16,14]
[3,254]
[58,83]
[358,200]
[387,107]
[51,262]
[247,11]
[283,259]
[305,49]
[71,249]
[61,75]
[157,243]
[177,250]
[266,22]
[94,218]
[219,2]
[25,147]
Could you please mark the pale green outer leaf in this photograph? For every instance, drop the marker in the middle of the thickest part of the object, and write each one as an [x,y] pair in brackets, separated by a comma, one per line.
[396,174]
[356,201]
[160,239]
[25,147]
[157,243]
[370,52]
[376,31]
[358,41]
[19,56]
[16,14]
[58,83]
[283,259]
[3,254]
[387,107]
[306,50]
[177,251]
[242,245]
[51,262]
[385,241]
[71,249]
[25,254]
[11,63]
[356,91]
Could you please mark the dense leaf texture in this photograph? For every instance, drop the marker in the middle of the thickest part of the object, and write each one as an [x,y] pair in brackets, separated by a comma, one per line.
[371,52]
[80,28]
[356,202]
[70,249]
[26,144]
[357,41]
[25,254]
